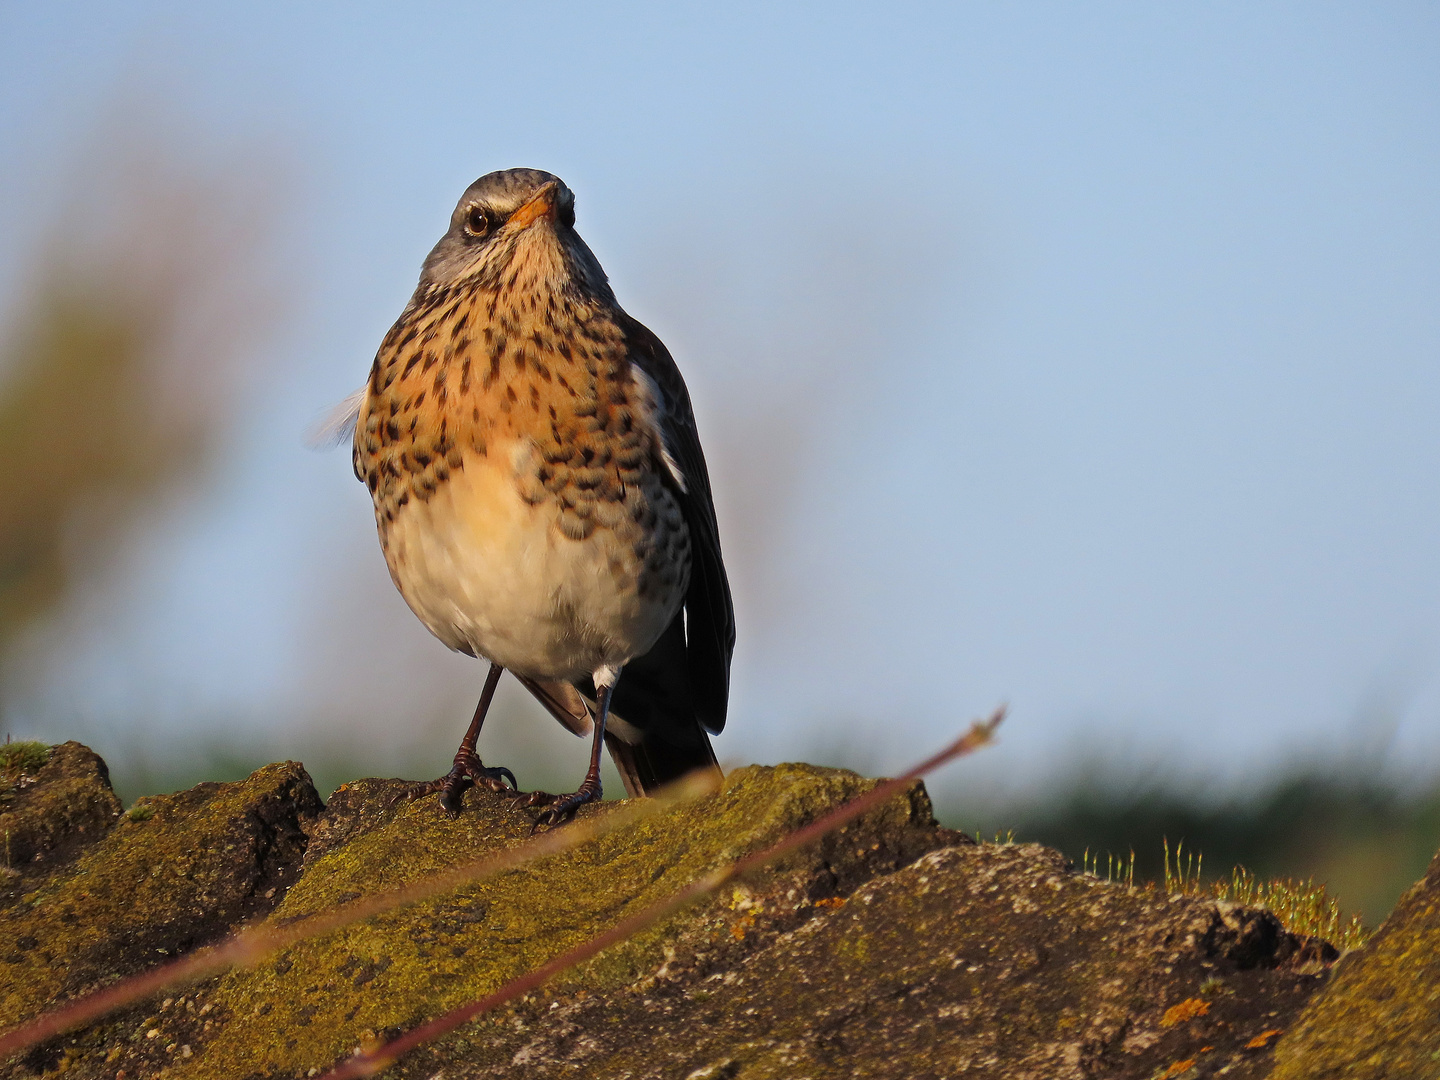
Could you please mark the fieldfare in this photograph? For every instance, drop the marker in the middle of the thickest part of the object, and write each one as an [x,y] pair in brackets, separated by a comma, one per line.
[541,495]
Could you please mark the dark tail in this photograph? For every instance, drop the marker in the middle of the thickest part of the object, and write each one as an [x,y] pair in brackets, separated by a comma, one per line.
[650,764]
[657,733]
[672,744]
[658,716]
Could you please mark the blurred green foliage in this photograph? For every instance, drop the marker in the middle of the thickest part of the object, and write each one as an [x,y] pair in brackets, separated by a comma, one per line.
[122,350]
[1318,844]
[137,772]
[78,428]
[1362,835]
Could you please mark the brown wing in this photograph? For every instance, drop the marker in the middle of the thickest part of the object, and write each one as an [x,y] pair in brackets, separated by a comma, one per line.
[709,611]
[669,697]
[563,702]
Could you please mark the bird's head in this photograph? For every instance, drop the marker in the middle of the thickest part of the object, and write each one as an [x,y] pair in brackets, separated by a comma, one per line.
[515,228]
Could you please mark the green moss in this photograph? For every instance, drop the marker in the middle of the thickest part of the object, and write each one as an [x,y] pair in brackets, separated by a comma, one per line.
[313,1004]
[51,815]
[1377,1020]
[25,758]
[1305,908]
[146,893]
[841,961]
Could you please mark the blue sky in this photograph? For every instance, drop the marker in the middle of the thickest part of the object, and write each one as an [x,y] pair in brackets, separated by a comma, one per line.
[1081,357]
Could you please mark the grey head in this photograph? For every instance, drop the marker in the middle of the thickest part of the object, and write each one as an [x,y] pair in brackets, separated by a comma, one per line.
[509,218]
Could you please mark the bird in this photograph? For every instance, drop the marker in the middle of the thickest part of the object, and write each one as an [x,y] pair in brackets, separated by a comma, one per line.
[542,499]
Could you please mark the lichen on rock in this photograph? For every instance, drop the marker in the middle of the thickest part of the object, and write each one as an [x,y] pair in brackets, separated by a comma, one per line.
[320,999]
[54,803]
[987,960]
[204,861]
[1380,1018]
[892,948]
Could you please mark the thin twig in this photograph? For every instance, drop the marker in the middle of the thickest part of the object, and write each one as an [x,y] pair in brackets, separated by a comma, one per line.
[371,1062]
[252,944]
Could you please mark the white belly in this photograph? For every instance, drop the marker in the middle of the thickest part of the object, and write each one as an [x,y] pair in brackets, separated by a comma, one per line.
[492,575]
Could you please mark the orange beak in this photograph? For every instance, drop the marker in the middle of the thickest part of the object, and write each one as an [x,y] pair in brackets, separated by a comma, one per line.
[541,205]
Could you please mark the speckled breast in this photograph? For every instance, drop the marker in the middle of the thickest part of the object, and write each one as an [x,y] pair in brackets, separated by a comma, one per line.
[521,494]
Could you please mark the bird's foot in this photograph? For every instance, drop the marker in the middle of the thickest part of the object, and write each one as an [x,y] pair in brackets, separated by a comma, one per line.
[559,809]
[467,771]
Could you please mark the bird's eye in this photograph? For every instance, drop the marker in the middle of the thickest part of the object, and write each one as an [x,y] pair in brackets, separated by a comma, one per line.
[477,221]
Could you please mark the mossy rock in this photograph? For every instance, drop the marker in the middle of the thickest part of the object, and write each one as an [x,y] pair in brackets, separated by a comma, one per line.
[893,948]
[1380,1018]
[22,759]
[201,862]
[318,1000]
[54,803]
[143,895]
[978,960]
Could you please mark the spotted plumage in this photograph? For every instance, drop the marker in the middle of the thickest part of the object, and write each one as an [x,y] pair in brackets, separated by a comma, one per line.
[540,493]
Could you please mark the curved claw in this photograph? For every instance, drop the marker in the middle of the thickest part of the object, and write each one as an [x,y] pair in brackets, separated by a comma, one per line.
[467,771]
[549,819]
[558,808]
[496,778]
[525,800]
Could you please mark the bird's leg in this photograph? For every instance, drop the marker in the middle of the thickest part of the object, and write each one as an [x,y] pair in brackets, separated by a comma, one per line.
[560,808]
[468,769]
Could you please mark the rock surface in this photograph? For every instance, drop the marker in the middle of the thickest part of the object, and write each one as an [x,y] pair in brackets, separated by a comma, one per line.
[894,948]
[47,817]
[178,871]
[1380,1019]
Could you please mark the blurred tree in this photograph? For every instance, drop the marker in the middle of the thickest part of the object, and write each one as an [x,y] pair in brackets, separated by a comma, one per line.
[120,363]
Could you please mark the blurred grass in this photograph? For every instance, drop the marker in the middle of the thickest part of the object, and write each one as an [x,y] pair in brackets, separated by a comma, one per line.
[1318,845]
[1364,836]
[554,761]
[1303,907]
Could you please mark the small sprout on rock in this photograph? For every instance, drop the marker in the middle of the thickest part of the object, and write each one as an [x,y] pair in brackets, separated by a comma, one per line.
[1303,907]
[1214,985]
[24,758]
